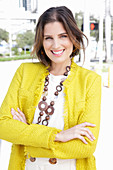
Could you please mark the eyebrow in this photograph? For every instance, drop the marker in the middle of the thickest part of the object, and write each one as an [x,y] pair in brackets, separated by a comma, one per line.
[58,34]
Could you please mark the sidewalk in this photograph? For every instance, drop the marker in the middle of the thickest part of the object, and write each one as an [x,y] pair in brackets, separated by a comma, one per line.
[104,148]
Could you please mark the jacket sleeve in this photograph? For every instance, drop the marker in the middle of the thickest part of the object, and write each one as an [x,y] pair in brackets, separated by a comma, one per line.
[76,149]
[15,131]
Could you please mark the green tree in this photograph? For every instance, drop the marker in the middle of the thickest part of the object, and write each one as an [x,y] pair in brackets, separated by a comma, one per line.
[24,39]
[4,35]
[79,19]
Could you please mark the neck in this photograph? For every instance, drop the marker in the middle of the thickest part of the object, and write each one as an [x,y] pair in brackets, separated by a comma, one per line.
[59,68]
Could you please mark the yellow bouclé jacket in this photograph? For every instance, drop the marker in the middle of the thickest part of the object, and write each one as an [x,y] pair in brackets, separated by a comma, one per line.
[82,91]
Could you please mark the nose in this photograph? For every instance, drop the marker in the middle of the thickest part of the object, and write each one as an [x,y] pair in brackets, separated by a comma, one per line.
[56,44]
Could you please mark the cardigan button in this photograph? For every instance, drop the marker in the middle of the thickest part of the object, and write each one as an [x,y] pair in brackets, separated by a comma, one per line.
[32,159]
[52,160]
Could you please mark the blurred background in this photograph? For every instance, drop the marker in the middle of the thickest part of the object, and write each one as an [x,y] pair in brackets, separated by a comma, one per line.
[18,20]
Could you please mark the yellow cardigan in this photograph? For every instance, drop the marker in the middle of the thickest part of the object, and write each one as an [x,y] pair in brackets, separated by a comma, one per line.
[82,91]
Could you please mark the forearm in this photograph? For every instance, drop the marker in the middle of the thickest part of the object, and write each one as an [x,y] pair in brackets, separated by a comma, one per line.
[74,149]
[38,152]
[17,132]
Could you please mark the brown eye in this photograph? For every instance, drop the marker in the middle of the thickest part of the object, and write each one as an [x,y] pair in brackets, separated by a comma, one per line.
[64,36]
[47,38]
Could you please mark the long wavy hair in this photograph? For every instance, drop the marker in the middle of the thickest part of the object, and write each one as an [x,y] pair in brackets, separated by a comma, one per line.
[63,15]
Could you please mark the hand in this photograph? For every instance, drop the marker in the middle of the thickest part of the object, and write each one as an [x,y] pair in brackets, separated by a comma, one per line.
[18,115]
[77,132]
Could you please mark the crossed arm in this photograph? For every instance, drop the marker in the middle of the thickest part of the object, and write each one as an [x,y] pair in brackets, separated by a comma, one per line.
[80,140]
[77,132]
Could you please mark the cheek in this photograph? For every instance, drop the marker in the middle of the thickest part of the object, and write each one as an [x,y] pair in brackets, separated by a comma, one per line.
[70,48]
[69,44]
[46,45]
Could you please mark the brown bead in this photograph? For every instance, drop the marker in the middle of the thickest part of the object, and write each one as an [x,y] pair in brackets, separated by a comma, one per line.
[44,98]
[46,83]
[42,105]
[66,73]
[59,88]
[61,83]
[52,160]
[49,110]
[47,78]
[56,93]
[41,113]
[45,88]
[45,122]
[32,159]
[39,120]
[68,68]
[47,117]
[52,103]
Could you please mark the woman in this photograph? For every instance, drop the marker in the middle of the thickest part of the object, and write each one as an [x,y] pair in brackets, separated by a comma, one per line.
[51,112]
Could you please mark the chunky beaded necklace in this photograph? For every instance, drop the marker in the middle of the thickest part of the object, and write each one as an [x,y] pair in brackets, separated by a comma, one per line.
[49,109]
[43,106]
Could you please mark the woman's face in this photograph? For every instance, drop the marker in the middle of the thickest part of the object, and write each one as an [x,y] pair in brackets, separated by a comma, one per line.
[57,45]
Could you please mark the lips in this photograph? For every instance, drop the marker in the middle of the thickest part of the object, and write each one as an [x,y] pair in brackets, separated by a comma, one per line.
[57,52]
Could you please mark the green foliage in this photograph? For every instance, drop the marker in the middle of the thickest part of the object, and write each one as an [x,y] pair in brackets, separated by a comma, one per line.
[21,57]
[4,35]
[25,39]
[23,52]
[7,54]
[1,55]
[79,19]
[15,51]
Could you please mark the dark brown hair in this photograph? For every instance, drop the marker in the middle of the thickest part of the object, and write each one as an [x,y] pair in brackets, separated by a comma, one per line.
[64,15]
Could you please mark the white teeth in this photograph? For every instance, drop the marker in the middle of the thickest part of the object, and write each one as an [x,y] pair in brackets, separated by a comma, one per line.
[58,52]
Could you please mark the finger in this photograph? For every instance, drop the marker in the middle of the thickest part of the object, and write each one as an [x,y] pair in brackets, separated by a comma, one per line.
[82,139]
[84,133]
[22,114]
[90,133]
[12,111]
[17,115]
[87,124]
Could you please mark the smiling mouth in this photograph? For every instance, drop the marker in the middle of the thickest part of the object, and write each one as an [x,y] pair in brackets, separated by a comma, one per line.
[58,52]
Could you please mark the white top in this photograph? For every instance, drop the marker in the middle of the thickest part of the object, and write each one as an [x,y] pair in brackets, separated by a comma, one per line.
[57,119]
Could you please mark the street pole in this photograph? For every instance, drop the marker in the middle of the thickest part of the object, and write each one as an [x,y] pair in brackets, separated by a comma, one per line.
[100,46]
[86,25]
[108,30]
[10,37]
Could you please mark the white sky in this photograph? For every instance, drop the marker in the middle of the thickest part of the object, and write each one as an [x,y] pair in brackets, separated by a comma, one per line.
[11,7]
[94,6]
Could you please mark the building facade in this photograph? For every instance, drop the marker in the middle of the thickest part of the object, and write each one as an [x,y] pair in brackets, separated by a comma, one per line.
[29,5]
